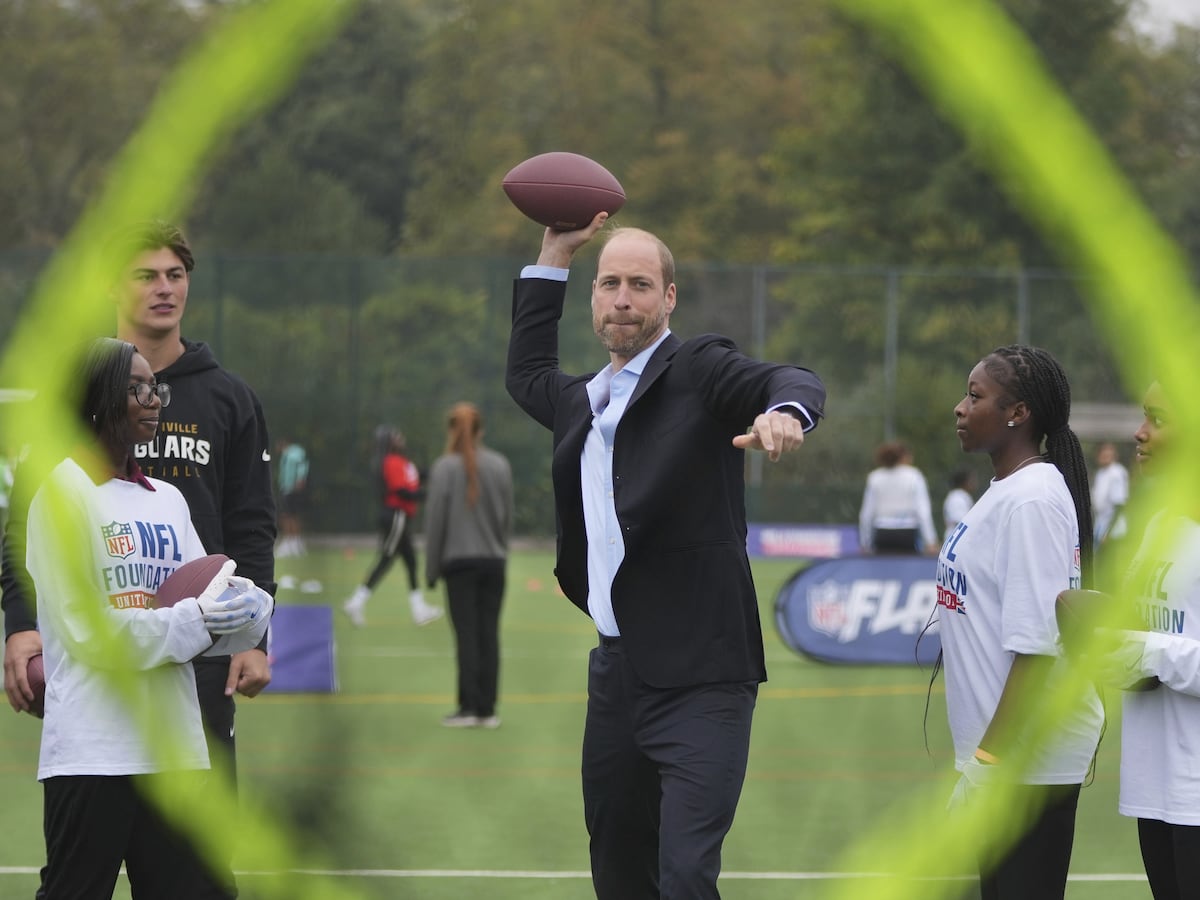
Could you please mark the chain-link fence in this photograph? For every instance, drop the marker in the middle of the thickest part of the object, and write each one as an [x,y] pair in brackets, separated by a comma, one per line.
[336,346]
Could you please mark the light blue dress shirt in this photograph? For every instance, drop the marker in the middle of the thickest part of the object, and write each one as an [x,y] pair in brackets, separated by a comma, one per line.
[609,394]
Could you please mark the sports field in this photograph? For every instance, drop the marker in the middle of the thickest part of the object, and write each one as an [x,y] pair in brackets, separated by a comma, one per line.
[392,805]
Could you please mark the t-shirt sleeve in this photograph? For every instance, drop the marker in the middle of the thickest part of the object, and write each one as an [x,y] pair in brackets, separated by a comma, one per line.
[1037,555]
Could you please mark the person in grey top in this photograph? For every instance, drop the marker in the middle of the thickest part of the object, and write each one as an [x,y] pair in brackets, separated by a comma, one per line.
[468,520]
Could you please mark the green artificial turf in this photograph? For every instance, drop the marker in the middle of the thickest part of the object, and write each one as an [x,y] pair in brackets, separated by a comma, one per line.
[374,790]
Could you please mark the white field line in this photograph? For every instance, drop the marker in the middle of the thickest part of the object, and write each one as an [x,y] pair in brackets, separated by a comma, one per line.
[516,873]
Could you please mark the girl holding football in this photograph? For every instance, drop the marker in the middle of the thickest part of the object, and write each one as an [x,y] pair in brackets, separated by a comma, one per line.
[1160,726]
[101,538]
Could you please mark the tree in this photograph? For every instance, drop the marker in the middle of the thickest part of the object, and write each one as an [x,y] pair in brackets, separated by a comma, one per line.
[75,80]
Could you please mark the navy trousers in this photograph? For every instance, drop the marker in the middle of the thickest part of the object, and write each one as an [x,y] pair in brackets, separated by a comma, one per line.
[662,774]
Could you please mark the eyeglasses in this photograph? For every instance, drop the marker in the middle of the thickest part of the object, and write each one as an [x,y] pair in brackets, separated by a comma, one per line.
[143,391]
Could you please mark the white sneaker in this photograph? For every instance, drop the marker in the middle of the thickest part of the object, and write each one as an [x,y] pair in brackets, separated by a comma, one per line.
[423,613]
[427,615]
[356,607]
[489,721]
[460,720]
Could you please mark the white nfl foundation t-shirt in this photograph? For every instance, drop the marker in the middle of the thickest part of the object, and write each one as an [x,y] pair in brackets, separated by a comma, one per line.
[998,575]
[1160,729]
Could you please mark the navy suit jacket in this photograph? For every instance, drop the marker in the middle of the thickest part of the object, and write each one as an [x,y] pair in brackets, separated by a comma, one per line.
[684,597]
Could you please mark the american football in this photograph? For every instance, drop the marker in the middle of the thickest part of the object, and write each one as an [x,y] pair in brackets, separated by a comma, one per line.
[563,191]
[1079,612]
[189,580]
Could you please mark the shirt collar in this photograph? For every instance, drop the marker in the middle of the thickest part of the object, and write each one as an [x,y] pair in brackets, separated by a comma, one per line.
[600,387]
[135,474]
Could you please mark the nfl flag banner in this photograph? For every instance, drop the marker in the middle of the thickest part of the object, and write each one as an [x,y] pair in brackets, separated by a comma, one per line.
[865,609]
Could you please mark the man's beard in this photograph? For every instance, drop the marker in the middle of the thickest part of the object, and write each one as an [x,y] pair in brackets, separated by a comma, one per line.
[620,340]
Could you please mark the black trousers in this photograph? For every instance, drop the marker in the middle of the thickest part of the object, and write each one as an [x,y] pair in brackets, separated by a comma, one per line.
[395,539]
[896,540]
[1171,855]
[1035,868]
[475,594]
[93,823]
[217,713]
[662,775]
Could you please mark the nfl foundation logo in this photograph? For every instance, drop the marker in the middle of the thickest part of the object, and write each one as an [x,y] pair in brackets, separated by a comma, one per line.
[118,538]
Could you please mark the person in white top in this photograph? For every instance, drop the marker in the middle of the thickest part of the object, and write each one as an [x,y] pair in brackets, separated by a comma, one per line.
[998,574]
[1160,727]
[101,539]
[1110,493]
[960,498]
[896,516]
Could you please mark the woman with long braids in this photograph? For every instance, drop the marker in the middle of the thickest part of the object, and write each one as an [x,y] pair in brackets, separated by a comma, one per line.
[1027,538]
[468,519]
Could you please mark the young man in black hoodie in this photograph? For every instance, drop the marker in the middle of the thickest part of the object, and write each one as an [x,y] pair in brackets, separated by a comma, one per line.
[211,443]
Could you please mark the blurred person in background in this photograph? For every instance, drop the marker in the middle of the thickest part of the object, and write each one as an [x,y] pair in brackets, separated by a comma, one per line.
[896,515]
[468,523]
[959,499]
[293,491]
[1110,494]
[400,490]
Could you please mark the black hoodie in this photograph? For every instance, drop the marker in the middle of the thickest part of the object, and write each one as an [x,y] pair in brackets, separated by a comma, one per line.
[212,444]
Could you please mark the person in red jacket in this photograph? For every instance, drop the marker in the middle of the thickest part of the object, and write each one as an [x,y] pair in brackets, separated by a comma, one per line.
[400,488]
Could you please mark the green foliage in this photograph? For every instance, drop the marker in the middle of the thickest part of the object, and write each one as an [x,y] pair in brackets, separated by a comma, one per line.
[758,134]
[75,79]
[370,783]
[761,132]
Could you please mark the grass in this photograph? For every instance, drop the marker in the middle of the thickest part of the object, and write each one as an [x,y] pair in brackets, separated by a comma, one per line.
[374,789]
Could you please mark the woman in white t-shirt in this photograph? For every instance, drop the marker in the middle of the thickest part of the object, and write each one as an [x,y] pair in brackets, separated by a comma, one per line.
[101,538]
[1110,493]
[895,515]
[1160,727]
[1025,540]
[959,499]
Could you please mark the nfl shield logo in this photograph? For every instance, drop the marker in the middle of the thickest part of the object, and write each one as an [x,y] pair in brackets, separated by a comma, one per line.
[827,608]
[118,538]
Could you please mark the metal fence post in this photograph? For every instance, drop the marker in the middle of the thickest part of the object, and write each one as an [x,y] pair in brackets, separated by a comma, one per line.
[891,354]
[1022,306]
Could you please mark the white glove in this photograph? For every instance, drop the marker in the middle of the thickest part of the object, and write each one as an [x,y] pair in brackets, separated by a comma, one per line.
[1116,658]
[217,586]
[258,603]
[236,604]
[975,775]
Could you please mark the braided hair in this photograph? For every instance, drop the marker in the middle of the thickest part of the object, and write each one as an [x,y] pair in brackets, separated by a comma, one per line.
[1032,375]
